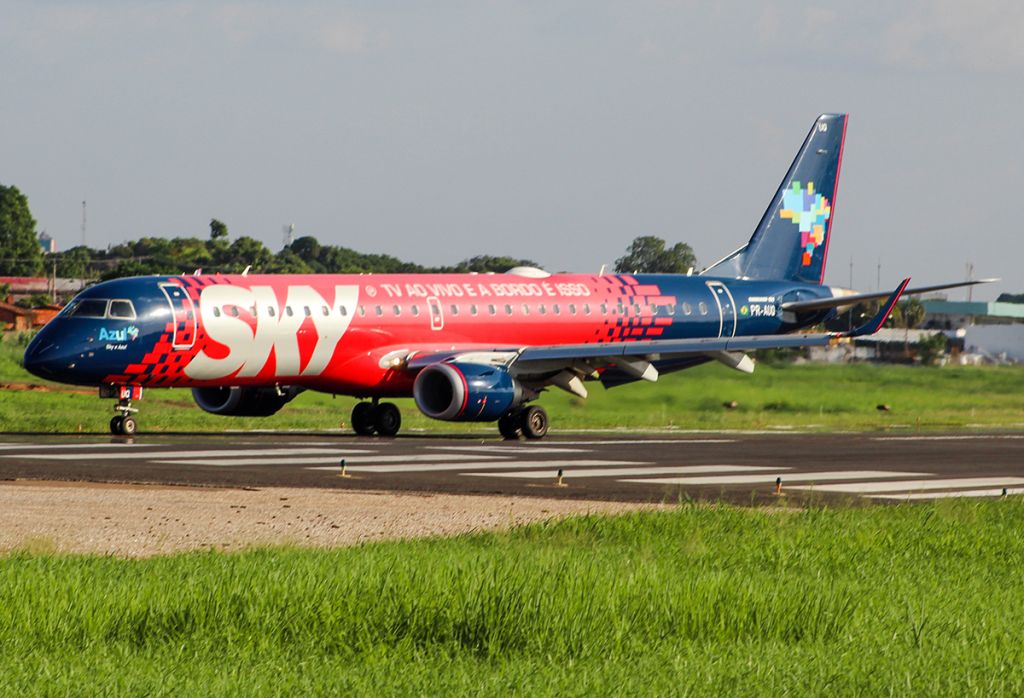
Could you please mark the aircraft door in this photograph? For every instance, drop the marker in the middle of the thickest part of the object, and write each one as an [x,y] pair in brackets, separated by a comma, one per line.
[184,314]
[726,308]
[436,314]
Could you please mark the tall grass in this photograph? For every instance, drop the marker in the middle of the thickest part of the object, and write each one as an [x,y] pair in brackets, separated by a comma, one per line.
[907,600]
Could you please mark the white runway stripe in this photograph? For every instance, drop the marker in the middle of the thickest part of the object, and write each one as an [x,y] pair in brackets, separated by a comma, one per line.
[770,478]
[915,496]
[68,447]
[962,437]
[616,442]
[509,450]
[914,485]
[556,464]
[312,460]
[222,453]
[569,472]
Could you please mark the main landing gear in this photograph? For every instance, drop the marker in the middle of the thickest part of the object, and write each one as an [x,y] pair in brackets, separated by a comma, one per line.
[123,424]
[531,422]
[381,418]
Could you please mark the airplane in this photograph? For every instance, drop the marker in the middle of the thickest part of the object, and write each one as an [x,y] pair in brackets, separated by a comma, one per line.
[465,347]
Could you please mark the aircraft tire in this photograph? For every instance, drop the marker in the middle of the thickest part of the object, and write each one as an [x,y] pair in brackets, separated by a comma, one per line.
[128,426]
[115,424]
[387,419]
[363,419]
[509,426]
[534,422]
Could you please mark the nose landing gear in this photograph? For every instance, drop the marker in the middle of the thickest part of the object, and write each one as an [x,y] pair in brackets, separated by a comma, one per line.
[123,424]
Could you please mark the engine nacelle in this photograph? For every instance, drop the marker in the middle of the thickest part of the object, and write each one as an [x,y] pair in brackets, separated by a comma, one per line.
[243,402]
[466,392]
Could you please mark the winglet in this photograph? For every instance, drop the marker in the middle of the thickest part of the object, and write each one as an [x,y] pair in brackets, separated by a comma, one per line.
[875,323]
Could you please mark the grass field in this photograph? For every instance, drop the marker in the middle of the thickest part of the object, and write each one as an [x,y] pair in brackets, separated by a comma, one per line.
[708,600]
[783,397]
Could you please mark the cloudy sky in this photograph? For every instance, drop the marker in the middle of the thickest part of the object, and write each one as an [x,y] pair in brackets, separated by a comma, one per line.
[556,131]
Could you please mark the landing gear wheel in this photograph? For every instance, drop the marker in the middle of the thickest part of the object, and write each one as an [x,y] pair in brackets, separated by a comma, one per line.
[388,419]
[115,424]
[534,422]
[128,426]
[508,425]
[363,419]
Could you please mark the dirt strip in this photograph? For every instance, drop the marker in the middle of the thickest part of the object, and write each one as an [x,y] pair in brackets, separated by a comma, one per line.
[140,521]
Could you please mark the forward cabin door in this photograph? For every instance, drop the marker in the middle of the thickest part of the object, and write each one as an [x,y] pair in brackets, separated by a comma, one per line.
[184,314]
[726,308]
[436,314]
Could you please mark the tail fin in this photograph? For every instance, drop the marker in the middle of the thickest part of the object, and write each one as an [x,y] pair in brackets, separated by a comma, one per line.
[791,241]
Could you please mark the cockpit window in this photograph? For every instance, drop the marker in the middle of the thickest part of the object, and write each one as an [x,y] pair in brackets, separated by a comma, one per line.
[90,307]
[122,310]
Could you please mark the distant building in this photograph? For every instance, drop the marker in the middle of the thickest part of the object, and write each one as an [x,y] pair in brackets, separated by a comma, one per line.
[24,286]
[995,331]
[46,242]
[13,317]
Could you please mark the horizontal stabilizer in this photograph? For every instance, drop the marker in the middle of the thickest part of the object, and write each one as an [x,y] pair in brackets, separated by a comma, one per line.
[853,299]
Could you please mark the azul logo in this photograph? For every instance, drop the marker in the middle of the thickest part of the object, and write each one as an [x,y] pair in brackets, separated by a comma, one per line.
[810,211]
[122,335]
[251,338]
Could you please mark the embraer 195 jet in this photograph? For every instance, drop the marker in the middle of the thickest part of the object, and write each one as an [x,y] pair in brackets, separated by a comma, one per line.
[466,347]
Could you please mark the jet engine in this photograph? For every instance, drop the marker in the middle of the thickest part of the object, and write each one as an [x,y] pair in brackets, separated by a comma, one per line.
[465,392]
[244,402]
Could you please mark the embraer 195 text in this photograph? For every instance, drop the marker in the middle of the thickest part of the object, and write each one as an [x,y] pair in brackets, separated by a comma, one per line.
[466,347]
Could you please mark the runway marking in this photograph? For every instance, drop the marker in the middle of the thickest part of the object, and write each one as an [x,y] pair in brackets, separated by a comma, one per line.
[940,437]
[339,454]
[49,447]
[621,472]
[914,485]
[510,449]
[190,455]
[913,496]
[615,442]
[786,477]
[355,468]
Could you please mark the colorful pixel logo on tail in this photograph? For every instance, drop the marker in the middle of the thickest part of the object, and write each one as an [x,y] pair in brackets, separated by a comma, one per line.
[810,211]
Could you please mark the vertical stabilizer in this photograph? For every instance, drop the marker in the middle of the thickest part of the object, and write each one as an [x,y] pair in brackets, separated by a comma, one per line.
[791,241]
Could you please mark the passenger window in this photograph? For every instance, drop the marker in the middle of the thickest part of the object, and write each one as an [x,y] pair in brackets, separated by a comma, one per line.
[234,311]
[542,310]
[572,308]
[472,310]
[288,311]
[343,310]
[362,311]
[415,310]
[270,311]
[670,309]
[396,310]
[556,309]
[526,309]
[455,309]
[122,310]
[326,311]
[307,311]
[216,311]
[90,307]
[586,308]
[687,309]
[508,309]
[492,310]
[379,310]
[604,308]
[703,307]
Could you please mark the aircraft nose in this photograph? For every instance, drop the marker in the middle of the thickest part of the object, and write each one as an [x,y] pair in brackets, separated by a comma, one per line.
[39,355]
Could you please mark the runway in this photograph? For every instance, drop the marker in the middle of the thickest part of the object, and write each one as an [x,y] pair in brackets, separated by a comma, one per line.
[742,468]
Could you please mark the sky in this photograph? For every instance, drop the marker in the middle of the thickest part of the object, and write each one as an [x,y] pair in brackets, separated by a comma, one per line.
[552,131]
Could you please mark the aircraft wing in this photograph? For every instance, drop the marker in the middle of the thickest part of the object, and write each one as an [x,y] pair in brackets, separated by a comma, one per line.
[564,365]
[853,299]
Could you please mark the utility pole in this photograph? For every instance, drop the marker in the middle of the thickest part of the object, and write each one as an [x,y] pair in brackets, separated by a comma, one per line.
[289,234]
[878,280]
[970,277]
[83,223]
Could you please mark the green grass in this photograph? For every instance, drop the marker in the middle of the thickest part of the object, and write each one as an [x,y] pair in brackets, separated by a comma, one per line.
[711,600]
[813,396]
